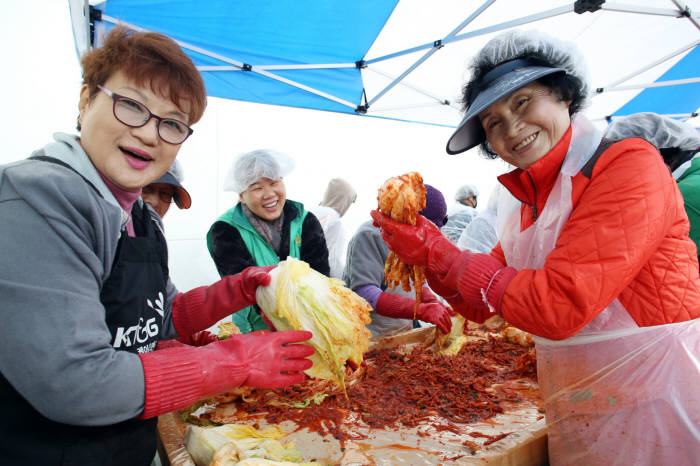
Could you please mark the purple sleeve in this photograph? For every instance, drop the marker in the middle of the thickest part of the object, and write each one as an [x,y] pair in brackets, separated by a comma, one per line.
[370,293]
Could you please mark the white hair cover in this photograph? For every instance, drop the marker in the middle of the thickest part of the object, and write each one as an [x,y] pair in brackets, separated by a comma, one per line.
[249,167]
[663,132]
[518,43]
[465,191]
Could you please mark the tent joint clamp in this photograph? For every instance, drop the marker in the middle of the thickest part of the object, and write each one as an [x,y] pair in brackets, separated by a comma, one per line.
[360,64]
[583,6]
[438,44]
[362,109]
[247,67]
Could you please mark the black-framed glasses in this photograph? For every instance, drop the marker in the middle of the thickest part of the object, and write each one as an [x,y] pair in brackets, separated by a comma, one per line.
[135,114]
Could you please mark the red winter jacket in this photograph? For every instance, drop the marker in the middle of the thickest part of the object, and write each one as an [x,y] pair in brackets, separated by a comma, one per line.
[626,238]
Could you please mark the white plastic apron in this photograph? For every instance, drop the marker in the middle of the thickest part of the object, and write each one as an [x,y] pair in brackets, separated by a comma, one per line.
[614,393]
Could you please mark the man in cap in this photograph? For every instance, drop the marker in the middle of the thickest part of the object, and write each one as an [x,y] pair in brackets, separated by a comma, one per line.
[159,195]
[166,189]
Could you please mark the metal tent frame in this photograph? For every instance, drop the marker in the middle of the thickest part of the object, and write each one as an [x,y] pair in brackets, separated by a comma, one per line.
[90,21]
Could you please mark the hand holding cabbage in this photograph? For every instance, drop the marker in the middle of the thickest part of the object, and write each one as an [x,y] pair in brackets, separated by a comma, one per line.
[299,298]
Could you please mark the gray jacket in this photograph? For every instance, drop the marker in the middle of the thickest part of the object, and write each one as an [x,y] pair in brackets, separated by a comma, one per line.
[367,253]
[58,239]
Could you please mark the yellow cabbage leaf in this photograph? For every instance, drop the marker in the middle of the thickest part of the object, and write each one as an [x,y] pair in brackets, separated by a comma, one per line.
[299,298]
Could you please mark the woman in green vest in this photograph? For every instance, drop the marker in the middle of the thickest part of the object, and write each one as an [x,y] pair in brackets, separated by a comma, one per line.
[264,227]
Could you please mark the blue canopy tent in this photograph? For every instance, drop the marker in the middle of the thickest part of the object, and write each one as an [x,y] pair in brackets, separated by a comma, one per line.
[406,60]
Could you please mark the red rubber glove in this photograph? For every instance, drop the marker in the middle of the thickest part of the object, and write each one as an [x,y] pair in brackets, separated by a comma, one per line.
[202,307]
[427,296]
[423,244]
[177,377]
[199,338]
[466,280]
[401,307]
[480,281]
[267,321]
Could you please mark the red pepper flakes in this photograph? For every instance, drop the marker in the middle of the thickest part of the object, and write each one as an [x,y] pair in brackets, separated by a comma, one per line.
[400,389]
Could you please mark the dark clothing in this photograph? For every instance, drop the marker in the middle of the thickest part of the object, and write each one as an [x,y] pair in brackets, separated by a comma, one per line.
[231,255]
[139,271]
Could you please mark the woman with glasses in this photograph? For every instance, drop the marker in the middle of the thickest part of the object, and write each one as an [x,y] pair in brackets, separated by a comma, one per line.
[84,277]
[264,227]
[594,259]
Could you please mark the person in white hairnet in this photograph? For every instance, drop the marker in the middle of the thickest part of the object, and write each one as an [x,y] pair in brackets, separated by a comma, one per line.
[337,199]
[462,212]
[594,260]
[264,227]
[679,145]
[481,235]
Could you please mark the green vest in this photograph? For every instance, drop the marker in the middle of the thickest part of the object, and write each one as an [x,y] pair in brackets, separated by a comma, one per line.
[689,185]
[247,320]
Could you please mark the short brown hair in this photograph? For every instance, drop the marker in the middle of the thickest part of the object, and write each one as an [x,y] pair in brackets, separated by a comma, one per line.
[147,57]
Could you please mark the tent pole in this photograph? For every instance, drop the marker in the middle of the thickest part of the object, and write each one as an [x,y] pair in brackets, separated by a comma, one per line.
[624,8]
[437,45]
[674,82]
[452,38]
[240,65]
[685,11]
[651,65]
[461,26]
[415,88]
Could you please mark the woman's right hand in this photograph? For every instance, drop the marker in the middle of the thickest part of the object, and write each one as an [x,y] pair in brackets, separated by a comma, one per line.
[178,376]
[276,359]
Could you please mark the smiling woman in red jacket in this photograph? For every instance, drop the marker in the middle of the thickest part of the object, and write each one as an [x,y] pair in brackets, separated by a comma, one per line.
[594,260]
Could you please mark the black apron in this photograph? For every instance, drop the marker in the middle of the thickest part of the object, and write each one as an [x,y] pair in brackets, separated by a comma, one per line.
[133,297]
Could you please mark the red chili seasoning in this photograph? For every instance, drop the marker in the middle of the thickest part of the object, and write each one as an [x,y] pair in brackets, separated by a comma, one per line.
[406,389]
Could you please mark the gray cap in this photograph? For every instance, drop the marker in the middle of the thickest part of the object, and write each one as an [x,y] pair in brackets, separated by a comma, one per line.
[181,196]
[498,83]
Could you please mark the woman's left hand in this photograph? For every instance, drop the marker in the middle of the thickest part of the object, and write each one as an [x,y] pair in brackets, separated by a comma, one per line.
[415,245]
[474,284]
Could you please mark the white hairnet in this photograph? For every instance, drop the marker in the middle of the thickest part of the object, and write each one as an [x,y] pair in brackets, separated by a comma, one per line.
[176,170]
[249,167]
[465,191]
[556,52]
[481,235]
[663,132]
